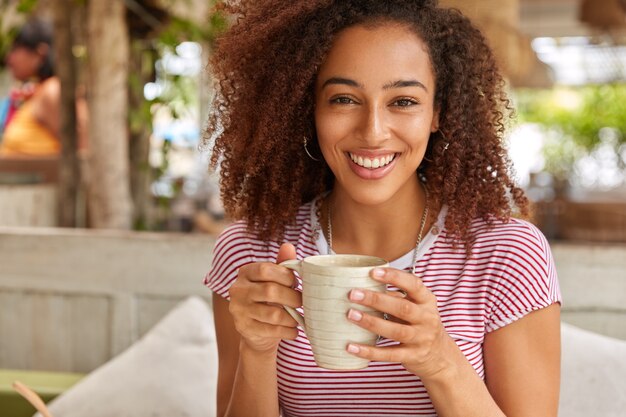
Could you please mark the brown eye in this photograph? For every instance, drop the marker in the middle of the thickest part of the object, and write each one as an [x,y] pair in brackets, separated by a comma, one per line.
[342,100]
[405,102]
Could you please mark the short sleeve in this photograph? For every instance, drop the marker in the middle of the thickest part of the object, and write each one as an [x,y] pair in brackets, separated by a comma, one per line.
[232,250]
[528,280]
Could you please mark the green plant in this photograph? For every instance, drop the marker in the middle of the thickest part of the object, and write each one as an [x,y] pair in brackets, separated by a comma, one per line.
[9,30]
[577,122]
[178,97]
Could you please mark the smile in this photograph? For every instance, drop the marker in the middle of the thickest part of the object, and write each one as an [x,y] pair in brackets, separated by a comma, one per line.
[372,163]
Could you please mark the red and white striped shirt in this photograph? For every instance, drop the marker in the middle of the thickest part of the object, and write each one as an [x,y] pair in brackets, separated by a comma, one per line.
[510,273]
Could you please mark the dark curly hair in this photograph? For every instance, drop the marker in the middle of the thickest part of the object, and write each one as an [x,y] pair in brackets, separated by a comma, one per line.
[266,66]
[32,34]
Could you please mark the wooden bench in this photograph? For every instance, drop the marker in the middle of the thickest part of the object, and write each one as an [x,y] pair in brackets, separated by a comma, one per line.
[28,191]
[39,170]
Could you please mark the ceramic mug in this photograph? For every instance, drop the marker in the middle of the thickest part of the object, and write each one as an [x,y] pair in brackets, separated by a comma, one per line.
[326,282]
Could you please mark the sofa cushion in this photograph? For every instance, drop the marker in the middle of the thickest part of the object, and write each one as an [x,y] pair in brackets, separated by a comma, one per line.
[593,376]
[169,372]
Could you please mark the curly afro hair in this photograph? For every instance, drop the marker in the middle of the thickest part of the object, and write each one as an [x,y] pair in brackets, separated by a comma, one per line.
[265,68]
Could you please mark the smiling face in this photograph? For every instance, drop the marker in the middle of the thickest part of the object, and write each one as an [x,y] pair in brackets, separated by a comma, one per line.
[374,111]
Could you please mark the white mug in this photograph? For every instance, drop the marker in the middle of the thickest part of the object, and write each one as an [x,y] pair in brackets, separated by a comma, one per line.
[326,283]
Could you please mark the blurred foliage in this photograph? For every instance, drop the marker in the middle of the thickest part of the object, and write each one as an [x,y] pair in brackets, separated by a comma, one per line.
[156,32]
[178,95]
[8,33]
[579,113]
[575,121]
[26,6]
[180,29]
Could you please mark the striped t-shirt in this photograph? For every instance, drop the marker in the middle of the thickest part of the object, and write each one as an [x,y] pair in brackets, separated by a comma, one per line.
[510,273]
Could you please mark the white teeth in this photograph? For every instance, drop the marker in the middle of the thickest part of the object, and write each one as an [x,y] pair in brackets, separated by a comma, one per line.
[372,163]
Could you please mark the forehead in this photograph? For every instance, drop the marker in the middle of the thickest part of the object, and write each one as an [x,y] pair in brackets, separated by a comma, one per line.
[22,49]
[382,52]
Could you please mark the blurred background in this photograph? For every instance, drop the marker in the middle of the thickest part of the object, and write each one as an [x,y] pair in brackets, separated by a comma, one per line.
[140,70]
[108,222]
[147,93]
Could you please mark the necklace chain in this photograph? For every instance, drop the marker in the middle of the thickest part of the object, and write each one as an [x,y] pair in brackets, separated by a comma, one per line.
[329,230]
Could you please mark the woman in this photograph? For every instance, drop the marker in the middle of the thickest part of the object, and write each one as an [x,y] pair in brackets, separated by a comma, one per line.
[32,129]
[370,127]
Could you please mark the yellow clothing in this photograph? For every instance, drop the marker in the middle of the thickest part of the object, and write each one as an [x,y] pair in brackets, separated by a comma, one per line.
[26,136]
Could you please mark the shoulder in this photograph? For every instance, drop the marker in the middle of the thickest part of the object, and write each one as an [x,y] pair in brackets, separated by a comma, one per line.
[512,238]
[240,236]
[238,245]
[50,90]
[519,268]
[233,249]
[47,100]
[234,242]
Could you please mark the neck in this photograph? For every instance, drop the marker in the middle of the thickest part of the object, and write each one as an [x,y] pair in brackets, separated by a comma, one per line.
[388,229]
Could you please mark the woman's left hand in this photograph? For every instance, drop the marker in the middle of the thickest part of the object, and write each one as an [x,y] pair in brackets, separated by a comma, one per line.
[414,322]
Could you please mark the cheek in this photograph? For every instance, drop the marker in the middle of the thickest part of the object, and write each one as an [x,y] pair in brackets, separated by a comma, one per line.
[21,63]
[413,131]
[329,128]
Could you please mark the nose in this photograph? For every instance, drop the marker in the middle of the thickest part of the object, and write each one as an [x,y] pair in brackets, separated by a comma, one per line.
[374,129]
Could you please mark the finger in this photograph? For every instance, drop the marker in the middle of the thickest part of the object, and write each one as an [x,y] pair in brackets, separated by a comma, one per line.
[412,285]
[286,251]
[386,328]
[396,294]
[395,354]
[393,305]
[267,272]
[272,314]
[270,292]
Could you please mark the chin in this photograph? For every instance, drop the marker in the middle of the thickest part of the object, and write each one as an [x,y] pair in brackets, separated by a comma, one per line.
[370,195]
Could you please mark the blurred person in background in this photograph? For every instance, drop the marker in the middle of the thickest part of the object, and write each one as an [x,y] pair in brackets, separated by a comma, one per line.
[30,117]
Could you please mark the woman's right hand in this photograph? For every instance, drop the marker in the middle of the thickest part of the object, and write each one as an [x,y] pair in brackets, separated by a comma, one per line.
[256,300]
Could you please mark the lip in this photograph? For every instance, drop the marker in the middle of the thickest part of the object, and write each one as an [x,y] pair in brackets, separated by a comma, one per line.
[368,173]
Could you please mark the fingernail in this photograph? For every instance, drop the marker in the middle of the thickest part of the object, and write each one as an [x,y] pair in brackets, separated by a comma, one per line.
[353,348]
[357,295]
[355,315]
[378,272]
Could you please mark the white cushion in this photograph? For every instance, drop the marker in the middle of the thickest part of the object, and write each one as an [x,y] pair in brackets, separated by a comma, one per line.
[593,376]
[170,372]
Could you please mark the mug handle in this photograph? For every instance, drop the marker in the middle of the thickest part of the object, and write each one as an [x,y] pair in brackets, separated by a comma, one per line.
[295,265]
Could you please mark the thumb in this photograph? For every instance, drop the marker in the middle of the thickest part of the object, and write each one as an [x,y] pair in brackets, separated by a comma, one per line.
[286,251]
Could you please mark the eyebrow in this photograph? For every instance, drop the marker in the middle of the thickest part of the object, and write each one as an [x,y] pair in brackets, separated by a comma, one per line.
[342,81]
[388,86]
[404,83]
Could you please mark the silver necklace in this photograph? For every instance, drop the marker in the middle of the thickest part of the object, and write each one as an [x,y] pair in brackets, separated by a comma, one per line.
[329,230]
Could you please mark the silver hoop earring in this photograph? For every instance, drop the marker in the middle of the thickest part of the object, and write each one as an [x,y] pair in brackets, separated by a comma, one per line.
[447,144]
[305,142]
[445,147]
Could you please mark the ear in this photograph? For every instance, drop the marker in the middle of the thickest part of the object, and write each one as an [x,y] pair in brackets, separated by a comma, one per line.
[43,49]
[434,126]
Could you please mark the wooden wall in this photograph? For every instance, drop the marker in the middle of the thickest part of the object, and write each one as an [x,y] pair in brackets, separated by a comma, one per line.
[70,300]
